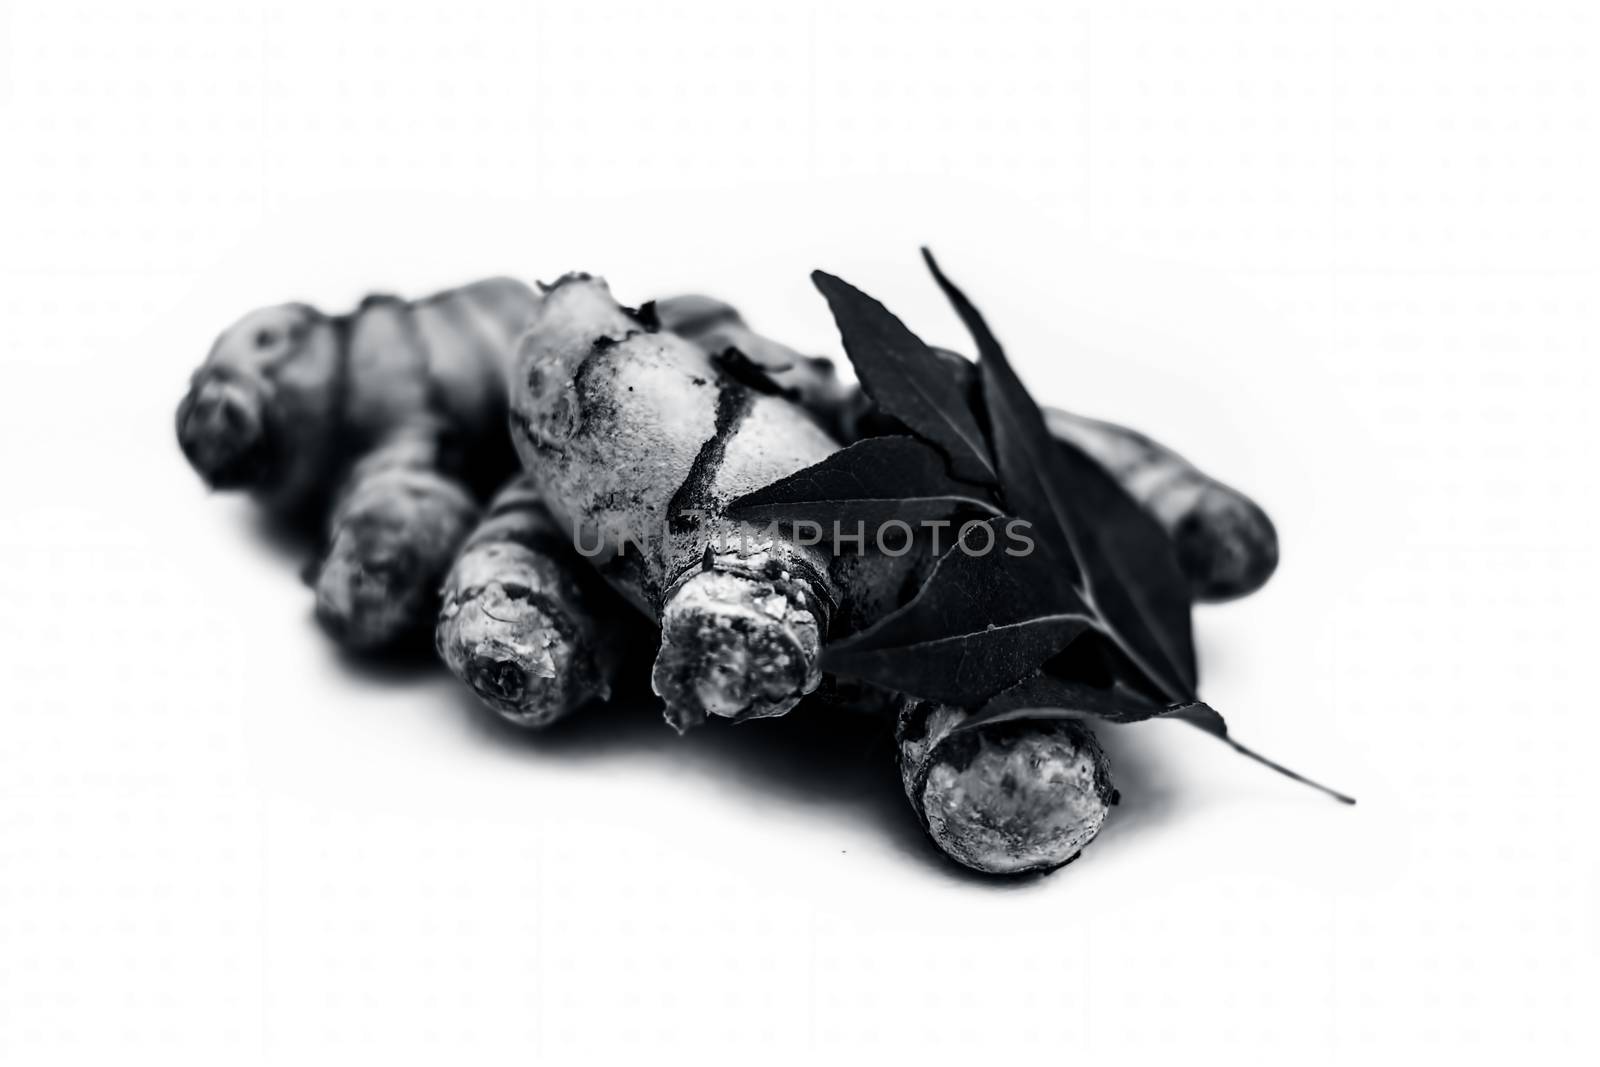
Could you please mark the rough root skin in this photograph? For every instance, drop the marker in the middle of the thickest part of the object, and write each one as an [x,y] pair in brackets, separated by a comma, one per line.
[716,326]
[392,542]
[316,414]
[737,647]
[222,430]
[1013,798]
[260,412]
[639,439]
[517,627]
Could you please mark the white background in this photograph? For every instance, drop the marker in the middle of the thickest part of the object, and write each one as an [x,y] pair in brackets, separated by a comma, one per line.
[1342,254]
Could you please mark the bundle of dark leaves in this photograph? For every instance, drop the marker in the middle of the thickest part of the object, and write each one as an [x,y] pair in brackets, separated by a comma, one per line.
[1093,621]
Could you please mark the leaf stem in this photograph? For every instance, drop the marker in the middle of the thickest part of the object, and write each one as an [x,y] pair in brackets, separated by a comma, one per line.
[1286,772]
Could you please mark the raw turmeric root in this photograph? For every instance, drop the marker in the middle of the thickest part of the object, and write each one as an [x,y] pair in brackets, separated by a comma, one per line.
[381,426]
[1009,797]
[1227,546]
[811,381]
[525,623]
[392,535]
[263,412]
[638,440]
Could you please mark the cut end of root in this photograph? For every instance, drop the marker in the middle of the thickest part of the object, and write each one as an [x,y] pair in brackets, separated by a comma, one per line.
[392,543]
[519,659]
[1010,798]
[367,600]
[222,431]
[735,647]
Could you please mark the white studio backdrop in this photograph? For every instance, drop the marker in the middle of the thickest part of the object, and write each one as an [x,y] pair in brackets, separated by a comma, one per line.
[1341,254]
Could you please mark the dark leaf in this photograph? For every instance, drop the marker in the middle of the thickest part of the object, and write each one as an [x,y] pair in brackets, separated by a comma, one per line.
[872,481]
[1046,696]
[1132,573]
[905,379]
[979,624]
[1108,546]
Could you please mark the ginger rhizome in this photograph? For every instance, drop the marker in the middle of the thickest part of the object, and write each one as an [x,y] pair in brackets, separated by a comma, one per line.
[638,439]
[524,620]
[380,427]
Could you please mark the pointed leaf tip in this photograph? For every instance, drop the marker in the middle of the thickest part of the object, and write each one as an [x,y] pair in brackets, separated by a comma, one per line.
[1108,547]
[907,380]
